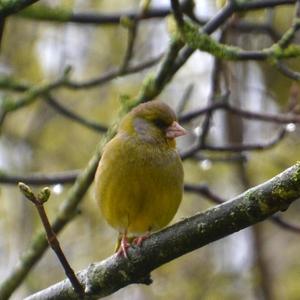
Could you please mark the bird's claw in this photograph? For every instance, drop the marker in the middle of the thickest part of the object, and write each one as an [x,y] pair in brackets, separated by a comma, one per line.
[139,240]
[124,245]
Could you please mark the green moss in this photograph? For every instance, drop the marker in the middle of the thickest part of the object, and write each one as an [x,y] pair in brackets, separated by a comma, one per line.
[290,189]
[281,192]
[204,42]
[254,205]
[127,22]
[296,175]
[148,90]
[291,51]
[125,102]
[249,195]
[7,104]
[263,205]
[124,275]
[9,4]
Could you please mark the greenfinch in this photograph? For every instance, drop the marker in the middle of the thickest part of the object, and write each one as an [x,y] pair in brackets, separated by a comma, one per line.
[139,180]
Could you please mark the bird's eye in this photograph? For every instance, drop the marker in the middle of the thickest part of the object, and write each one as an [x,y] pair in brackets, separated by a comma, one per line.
[160,123]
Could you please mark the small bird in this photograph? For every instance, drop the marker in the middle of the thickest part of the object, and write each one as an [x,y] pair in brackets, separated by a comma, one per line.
[139,180]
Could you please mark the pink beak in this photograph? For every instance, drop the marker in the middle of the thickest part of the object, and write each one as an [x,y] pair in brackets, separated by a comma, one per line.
[175,130]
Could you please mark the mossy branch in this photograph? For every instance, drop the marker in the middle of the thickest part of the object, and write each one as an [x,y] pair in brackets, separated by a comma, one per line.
[8,104]
[154,84]
[9,7]
[255,205]
[201,41]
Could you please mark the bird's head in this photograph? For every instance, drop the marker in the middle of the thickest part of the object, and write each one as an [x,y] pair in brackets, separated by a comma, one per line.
[153,121]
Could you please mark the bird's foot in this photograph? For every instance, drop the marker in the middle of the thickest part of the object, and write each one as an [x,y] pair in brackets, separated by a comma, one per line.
[124,245]
[139,240]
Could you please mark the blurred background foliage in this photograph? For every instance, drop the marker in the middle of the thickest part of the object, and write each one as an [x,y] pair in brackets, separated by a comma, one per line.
[257,263]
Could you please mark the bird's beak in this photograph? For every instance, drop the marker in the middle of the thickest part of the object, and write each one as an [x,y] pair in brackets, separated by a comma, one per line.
[175,130]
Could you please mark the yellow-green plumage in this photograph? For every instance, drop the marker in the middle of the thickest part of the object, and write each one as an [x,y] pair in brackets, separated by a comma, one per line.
[139,181]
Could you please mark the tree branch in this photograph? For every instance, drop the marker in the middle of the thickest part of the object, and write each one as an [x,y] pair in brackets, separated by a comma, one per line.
[279,118]
[259,4]
[203,42]
[9,83]
[286,225]
[38,202]
[255,205]
[11,7]
[61,15]
[73,116]
[58,14]
[40,178]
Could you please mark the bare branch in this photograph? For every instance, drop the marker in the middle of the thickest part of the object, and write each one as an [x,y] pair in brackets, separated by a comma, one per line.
[190,152]
[259,4]
[52,14]
[177,13]
[278,118]
[40,178]
[286,225]
[73,116]
[204,191]
[112,74]
[39,201]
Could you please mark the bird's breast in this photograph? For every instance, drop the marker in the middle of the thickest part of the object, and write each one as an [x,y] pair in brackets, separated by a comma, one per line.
[139,185]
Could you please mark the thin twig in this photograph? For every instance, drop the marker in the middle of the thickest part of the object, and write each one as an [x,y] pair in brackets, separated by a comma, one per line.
[184,99]
[190,152]
[73,116]
[278,118]
[177,13]
[95,18]
[215,86]
[39,201]
[204,191]
[249,147]
[132,35]
[227,158]
[286,71]
[259,4]
[284,224]
[54,14]
[8,83]
[38,179]
[112,74]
